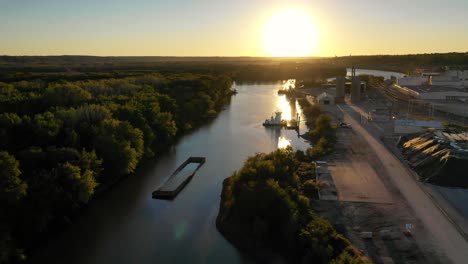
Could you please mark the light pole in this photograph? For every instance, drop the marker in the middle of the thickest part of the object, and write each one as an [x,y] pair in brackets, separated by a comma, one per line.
[464,113]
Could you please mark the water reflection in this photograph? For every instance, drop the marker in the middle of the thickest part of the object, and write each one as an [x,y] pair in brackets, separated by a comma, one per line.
[283,142]
[274,133]
[285,107]
[290,108]
[297,108]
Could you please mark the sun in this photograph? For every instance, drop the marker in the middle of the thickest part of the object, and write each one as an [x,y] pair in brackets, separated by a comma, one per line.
[290,33]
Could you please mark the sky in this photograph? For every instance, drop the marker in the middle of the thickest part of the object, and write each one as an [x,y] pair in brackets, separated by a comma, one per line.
[227,28]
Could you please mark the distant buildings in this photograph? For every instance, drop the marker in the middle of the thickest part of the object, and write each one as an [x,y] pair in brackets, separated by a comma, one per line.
[453,79]
[443,91]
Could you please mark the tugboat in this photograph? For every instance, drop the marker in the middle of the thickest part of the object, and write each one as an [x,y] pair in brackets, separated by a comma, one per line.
[276,121]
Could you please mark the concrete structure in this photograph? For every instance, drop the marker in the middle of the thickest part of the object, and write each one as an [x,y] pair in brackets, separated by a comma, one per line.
[325,99]
[415,126]
[379,115]
[355,89]
[340,89]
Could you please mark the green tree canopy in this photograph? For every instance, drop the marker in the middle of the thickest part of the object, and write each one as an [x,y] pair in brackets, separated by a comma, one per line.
[12,188]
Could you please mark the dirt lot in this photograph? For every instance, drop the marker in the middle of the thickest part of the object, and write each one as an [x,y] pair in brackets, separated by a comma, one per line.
[354,171]
[352,218]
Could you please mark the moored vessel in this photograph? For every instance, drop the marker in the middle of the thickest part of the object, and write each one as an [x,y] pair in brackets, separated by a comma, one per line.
[179,178]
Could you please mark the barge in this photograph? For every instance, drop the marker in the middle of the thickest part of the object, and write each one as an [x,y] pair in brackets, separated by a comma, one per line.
[179,178]
[275,121]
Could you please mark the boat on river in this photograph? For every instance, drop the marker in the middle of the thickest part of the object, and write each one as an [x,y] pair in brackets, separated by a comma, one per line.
[275,121]
[179,178]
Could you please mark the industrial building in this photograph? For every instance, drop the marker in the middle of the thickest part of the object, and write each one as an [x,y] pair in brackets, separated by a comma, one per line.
[445,92]
[403,126]
[381,114]
[452,79]
[354,88]
[340,89]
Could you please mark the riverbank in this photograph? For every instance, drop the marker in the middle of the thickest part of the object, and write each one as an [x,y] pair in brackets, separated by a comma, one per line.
[280,225]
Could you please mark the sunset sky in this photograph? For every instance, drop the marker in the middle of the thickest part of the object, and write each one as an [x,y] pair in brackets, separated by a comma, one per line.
[229,28]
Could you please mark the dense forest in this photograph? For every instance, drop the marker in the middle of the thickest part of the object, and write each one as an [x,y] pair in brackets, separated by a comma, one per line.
[251,72]
[62,140]
[406,63]
[281,220]
[240,69]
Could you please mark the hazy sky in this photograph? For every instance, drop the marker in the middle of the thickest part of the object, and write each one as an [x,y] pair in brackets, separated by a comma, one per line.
[226,28]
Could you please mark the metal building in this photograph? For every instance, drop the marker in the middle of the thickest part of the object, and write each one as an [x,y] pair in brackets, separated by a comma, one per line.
[340,89]
[355,89]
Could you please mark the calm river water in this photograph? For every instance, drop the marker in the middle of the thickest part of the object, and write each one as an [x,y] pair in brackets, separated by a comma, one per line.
[125,225]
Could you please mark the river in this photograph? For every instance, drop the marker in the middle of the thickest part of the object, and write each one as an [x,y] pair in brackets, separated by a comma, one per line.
[125,225]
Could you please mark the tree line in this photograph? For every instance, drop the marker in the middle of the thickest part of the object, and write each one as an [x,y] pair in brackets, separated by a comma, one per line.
[62,140]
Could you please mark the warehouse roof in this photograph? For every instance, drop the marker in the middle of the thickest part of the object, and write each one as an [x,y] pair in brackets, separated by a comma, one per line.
[418,123]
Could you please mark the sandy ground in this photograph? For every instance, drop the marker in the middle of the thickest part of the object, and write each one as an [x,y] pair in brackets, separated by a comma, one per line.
[353,172]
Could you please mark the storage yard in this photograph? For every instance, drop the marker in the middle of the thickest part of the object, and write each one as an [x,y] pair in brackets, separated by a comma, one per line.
[373,194]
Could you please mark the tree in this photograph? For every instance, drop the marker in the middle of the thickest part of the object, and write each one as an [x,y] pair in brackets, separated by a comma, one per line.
[66,94]
[9,124]
[46,128]
[12,188]
[79,183]
[120,146]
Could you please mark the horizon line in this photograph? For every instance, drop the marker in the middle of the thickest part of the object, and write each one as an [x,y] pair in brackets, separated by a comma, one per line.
[239,56]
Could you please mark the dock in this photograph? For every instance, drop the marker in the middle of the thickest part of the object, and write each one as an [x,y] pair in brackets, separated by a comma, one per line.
[292,124]
[179,178]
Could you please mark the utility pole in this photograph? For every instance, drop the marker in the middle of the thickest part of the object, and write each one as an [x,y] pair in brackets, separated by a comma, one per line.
[464,113]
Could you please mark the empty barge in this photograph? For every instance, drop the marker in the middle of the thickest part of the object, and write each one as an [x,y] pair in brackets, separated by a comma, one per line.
[179,178]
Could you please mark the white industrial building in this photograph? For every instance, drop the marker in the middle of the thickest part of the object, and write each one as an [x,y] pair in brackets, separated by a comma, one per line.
[453,79]
[434,92]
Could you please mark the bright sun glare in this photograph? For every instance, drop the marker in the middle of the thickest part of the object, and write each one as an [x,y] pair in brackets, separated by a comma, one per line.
[290,33]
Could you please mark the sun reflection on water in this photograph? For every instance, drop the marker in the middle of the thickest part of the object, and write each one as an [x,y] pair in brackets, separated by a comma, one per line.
[285,107]
[283,142]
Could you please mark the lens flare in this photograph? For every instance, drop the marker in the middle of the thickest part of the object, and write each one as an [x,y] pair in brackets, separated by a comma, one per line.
[290,33]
